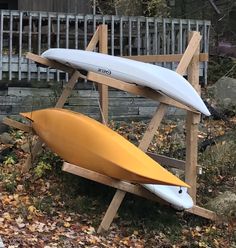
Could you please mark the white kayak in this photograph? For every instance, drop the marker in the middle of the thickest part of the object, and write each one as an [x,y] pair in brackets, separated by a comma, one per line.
[178,197]
[158,78]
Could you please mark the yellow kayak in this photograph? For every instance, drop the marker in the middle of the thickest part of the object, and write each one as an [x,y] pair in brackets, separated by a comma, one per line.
[87,143]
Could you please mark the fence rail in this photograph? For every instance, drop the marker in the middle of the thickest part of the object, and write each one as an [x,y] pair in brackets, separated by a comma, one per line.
[21,32]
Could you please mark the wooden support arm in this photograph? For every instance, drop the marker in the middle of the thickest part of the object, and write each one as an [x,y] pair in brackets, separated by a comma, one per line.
[203,57]
[17,124]
[49,63]
[135,189]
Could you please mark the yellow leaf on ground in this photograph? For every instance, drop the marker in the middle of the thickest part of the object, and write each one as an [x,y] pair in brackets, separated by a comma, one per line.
[66,224]
[6,216]
[31,209]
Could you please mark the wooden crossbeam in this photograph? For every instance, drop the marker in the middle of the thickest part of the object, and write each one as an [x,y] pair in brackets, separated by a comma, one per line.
[203,212]
[93,42]
[68,89]
[125,187]
[171,162]
[111,211]
[136,90]
[203,57]
[49,63]
[152,127]
[17,124]
[135,189]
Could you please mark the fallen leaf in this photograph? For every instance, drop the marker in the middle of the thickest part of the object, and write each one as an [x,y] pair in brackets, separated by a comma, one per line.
[66,224]
[19,222]
[6,216]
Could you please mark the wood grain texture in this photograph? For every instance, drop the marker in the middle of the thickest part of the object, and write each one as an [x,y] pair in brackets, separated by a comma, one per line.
[192,122]
[102,88]
[152,127]
[18,125]
[203,57]
[111,211]
[136,90]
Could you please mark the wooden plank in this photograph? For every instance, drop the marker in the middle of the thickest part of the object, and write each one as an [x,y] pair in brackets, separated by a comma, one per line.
[189,52]
[93,42]
[192,122]
[135,189]
[170,162]
[18,125]
[103,89]
[203,57]
[67,90]
[152,127]
[203,212]
[136,90]
[50,63]
[111,211]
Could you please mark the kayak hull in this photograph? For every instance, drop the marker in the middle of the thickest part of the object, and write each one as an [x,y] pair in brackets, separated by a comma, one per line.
[178,197]
[158,78]
[85,142]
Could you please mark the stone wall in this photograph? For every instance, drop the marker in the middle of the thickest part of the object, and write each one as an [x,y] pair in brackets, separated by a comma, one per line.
[122,105]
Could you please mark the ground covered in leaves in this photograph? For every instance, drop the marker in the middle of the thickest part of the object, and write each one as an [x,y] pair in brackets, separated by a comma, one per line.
[48,208]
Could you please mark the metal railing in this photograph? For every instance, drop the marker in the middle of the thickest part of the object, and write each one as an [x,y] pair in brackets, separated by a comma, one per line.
[21,32]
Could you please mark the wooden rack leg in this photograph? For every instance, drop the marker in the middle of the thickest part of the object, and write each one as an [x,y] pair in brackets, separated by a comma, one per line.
[192,123]
[67,91]
[103,89]
[60,103]
[191,153]
[153,125]
[111,211]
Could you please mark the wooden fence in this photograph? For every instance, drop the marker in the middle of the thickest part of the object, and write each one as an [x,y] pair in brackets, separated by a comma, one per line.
[21,32]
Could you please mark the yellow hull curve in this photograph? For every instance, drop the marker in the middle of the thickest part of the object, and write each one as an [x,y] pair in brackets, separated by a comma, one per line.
[87,143]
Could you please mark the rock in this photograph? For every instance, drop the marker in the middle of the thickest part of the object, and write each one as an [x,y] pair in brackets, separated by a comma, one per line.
[224,204]
[224,92]
[3,128]
[6,138]
[25,147]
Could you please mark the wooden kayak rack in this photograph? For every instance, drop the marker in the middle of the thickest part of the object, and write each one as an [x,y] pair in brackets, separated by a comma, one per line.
[188,62]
